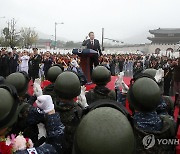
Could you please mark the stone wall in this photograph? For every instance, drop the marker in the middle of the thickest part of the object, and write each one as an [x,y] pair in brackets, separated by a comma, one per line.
[146,48]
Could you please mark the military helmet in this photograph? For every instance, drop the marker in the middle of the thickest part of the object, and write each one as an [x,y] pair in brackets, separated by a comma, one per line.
[104,130]
[150,71]
[8,106]
[20,81]
[67,85]
[59,65]
[53,73]
[144,94]
[101,75]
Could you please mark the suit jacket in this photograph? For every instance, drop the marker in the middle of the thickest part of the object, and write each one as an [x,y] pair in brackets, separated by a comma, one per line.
[47,63]
[15,60]
[95,47]
[36,60]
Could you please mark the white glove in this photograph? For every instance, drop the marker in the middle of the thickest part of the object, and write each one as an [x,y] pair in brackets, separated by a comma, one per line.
[45,103]
[82,98]
[119,80]
[37,89]
[38,81]
[159,75]
[74,63]
[125,88]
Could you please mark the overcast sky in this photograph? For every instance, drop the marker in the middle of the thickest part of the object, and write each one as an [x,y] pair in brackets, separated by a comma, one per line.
[121,19]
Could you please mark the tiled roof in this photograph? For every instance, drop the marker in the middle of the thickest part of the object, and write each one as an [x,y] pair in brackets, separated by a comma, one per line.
[165,31]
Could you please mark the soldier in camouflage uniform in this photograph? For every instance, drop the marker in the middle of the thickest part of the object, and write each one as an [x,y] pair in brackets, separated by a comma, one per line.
[100,76]
[104,129]
[144,95]
[52,75]
[20,81]
[166,104]
[67,86]
[9,103]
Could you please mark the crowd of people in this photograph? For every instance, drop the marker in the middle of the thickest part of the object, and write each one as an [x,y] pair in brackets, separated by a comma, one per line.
[77,121]
[137,63]
[36,64]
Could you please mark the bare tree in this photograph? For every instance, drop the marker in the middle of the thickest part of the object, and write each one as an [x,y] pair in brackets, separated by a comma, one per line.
[28,37]
[10,35]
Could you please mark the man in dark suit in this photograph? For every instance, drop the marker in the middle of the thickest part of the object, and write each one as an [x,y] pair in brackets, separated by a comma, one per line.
[47,60]
[4,63]
[14,59]
[93,44]
[36,61]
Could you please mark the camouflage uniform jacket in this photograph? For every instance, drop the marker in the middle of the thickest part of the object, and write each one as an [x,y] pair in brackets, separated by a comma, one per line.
[70,114]
[54,129]
[166,132]
[100,92]
[148,121]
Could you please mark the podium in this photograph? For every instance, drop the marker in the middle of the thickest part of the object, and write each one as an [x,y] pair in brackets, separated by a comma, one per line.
[85,55]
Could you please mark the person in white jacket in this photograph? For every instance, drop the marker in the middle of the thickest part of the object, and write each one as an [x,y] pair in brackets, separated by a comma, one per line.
[24,62]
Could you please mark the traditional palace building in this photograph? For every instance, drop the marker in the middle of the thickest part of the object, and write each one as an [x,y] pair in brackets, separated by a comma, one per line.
[164,39]
[165,36]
